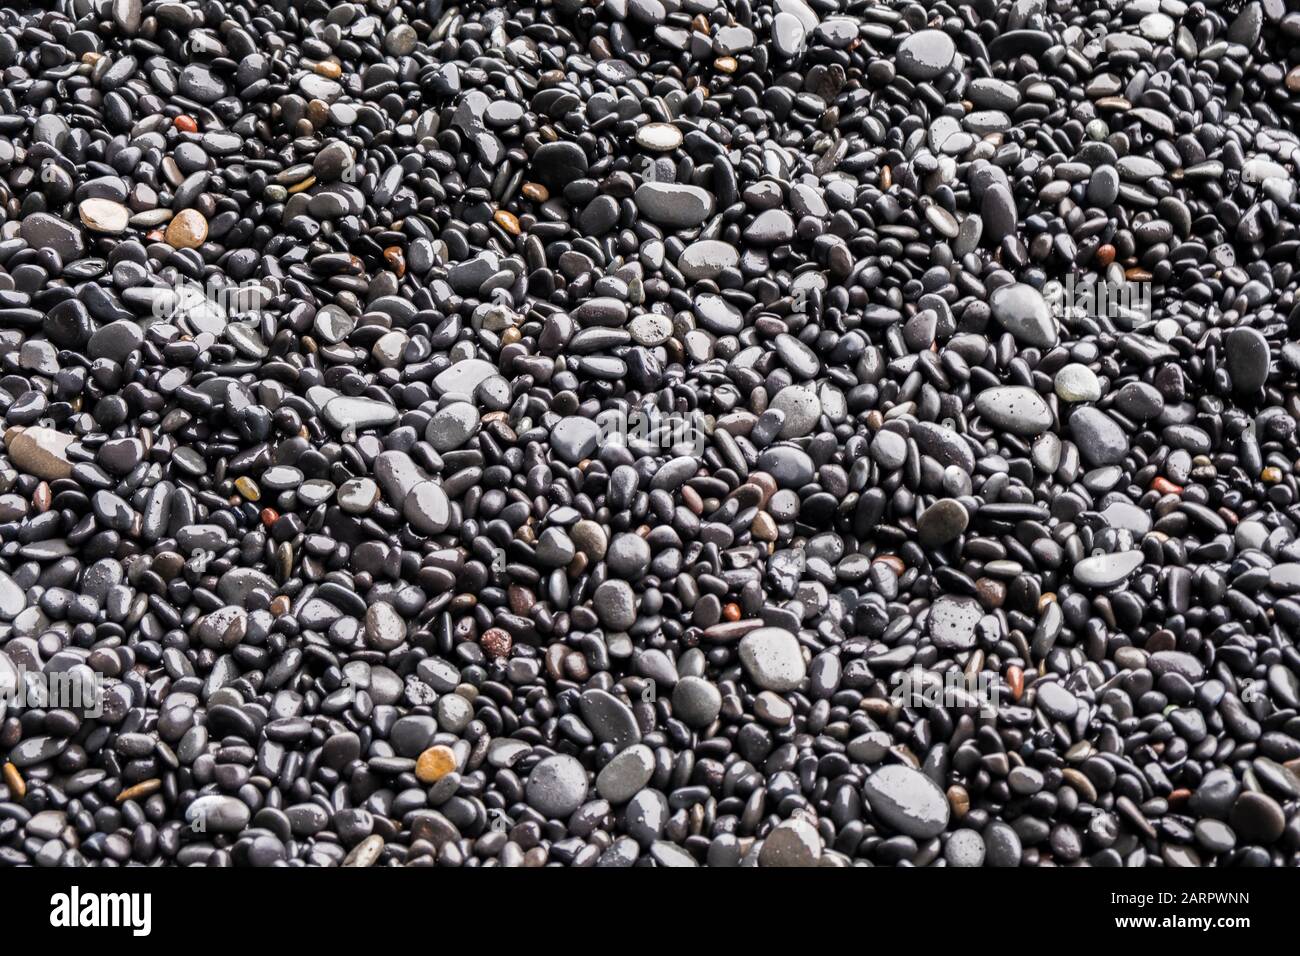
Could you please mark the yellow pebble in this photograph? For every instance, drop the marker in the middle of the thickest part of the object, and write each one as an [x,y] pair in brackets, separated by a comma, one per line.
[248,488]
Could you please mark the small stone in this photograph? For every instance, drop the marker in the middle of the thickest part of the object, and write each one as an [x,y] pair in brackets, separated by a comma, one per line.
[773,659]
[434,764]
[907,801]
[104,215]
[187,230]
[1077,383]
[557,787]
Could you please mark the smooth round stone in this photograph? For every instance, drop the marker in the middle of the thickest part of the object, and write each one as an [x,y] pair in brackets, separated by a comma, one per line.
[464,377]
[1014,408]
[964,848]
[789,466]
[1257,818]
[103,215]
[434,764]
[628,556]
[925,54]
[952,621]
[385,628]
[575,438]
[788,35]
[673,204]
[707,259]
[1077,383]
[801,408]
[557,787]
[1248,356]
[661,137]
[1107,570]
[40,230]
[611,720]
[427,508]
[696,701]
[942,522]
[115,341]
[773,659]
[626,774]
[1056,701]
[791,843]
[1022,311]
[615,605]
[889,449]
[216,813]
[770,228]
[1100,439]
[907,801]
[187,230]
[558,164]
[1156,27]
[650,329]
[452,426]
[358,495]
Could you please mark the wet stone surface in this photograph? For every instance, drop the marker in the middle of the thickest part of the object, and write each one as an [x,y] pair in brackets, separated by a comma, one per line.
[765,434]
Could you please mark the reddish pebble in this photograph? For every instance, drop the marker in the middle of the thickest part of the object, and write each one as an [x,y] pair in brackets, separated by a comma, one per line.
[1166,487]
[186,124]
[269,516]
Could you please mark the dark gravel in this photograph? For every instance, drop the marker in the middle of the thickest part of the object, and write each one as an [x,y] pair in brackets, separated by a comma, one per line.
[652,432]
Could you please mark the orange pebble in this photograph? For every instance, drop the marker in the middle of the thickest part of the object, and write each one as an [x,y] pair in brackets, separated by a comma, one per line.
[186,124]
[269,516]
[1016,678]
[1165,486]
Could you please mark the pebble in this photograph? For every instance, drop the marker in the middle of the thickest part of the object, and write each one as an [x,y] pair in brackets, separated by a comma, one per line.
[324,334]
[907,801]
[557,786]
[772,659]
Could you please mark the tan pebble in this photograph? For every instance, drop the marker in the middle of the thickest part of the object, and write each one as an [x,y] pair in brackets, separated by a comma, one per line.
[187,230]
[434,764]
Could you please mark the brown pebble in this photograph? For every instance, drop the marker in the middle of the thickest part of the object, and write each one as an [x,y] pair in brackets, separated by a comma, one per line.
[141,790]
[434,764]
[186,124]
[15,782]
[1016,679]
[396,260]
[1105,254]
[507,221]
[959,800]
[535,191]
[187,230]
[496,642]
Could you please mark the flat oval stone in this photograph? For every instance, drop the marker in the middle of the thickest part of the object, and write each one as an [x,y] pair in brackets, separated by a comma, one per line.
[773,659]
[557,787]
[907,800]
[925,54]
[1248,356]
[1107,570]
[952,620]
[1014,408]
[1022,311]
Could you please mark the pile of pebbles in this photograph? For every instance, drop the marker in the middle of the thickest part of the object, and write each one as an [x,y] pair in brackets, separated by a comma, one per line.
[974,540]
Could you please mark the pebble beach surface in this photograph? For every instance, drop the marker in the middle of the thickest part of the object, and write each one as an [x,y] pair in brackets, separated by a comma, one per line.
[967,532]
